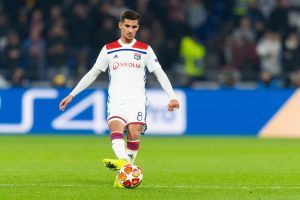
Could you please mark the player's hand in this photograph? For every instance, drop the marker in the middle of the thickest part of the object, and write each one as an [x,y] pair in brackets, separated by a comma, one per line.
[63,104]
[173,105]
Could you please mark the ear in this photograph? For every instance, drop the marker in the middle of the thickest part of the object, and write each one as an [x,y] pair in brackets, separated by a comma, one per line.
[120,24]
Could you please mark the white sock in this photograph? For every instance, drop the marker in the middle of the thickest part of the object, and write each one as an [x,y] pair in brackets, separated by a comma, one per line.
[118,146]
[132,155]
[132,150]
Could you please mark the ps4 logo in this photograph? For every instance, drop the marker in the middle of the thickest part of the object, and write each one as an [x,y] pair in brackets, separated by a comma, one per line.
[36,111]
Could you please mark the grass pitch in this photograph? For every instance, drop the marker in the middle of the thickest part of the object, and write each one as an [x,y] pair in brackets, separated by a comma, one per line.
[69,167]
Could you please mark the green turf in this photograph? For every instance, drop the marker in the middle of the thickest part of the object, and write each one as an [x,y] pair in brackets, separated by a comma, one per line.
[69,167]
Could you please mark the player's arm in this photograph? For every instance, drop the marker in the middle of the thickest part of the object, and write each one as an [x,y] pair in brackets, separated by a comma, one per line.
[100,65]
[154,66]
[167,87]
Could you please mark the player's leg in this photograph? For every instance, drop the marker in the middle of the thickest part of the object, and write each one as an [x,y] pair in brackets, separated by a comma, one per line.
[116,136]
[136,124]
[116,123]
[133,140]
[116,128]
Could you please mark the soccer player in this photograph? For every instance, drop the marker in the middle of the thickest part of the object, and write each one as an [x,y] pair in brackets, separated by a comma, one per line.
[127,60]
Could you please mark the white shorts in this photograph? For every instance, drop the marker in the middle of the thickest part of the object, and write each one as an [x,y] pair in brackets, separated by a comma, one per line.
[133,111]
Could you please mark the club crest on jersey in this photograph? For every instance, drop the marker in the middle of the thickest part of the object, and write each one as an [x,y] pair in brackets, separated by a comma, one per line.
[137,56]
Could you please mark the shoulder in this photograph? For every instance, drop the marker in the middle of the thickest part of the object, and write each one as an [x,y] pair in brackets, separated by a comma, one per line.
[113,45]
[140,45]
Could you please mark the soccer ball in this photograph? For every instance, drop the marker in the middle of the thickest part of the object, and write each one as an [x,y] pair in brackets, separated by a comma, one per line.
[130,176]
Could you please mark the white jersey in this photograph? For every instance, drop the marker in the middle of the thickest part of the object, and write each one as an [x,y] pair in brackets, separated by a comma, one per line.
[127,67]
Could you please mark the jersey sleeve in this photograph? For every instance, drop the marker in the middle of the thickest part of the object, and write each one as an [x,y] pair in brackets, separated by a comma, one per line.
[152,61]
[102,61]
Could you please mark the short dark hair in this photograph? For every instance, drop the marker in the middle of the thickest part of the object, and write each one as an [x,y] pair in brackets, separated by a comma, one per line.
[129,14]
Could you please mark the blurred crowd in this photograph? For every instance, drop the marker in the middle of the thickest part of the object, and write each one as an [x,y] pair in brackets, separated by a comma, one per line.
[198,42]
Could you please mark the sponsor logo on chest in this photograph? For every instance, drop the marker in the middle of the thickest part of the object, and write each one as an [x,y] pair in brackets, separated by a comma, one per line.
[117,65]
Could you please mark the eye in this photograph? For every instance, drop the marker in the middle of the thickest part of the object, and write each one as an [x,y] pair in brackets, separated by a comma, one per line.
[127,26]
[134,26]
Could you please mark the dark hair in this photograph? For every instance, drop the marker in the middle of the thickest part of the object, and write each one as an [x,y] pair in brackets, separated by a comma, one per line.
[129,14]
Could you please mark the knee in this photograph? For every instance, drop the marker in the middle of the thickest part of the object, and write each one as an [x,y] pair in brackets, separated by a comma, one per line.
[134,131]
[135,128]
[116,126]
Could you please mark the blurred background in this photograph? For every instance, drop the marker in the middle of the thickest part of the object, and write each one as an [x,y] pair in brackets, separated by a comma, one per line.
[235,63]
[200,43]
[235,68]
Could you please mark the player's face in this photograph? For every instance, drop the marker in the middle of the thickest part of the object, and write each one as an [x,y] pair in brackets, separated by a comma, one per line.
[128,29]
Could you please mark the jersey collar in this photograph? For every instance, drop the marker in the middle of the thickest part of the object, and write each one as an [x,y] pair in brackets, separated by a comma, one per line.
[127,45]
